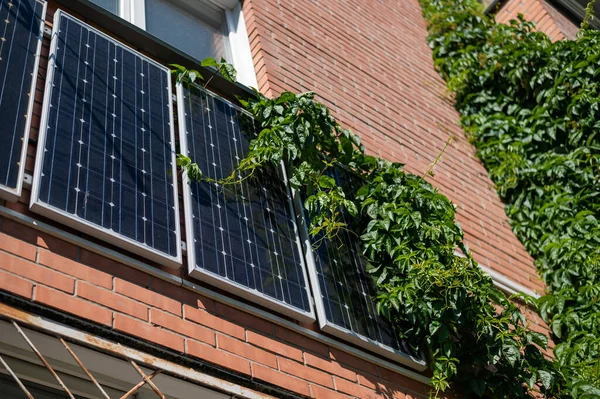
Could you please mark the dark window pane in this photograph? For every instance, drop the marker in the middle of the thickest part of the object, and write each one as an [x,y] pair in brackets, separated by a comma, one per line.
[110,5]
[199,27]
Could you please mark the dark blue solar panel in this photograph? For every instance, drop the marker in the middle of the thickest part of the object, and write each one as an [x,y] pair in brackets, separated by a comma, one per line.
[108,157]
[346,290]
[242,234]
[21,29]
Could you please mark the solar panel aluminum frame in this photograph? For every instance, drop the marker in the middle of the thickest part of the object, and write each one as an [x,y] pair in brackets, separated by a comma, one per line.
[74,221]
[335,330]
[218,281]
[14,194]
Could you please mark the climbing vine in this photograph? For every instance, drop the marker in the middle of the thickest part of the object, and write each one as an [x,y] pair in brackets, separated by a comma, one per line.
[443,306]
[531,108]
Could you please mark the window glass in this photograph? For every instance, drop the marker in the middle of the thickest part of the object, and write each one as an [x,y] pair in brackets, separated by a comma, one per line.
[110,5]
[192,26]
[10,390]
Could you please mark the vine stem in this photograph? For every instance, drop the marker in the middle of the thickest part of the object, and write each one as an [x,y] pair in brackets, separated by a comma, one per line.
[439,157]
[589,15]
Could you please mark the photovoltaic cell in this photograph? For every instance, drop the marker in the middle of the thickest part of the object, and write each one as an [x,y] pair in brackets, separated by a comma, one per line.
[106,155]
[241,237]
[344,292]
[21,32]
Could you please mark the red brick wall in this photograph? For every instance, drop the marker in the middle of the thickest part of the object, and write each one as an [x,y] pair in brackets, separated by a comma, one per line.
[369,61]
[546,17]
[99,290]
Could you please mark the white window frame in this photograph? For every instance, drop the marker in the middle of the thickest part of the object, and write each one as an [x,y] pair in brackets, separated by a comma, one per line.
[216,280]
[324,324]
[134,11]
[74,221]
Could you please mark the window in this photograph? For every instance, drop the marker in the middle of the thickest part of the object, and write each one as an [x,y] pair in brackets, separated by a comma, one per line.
[110,5]
[199,28]
[108,362]
[11,390]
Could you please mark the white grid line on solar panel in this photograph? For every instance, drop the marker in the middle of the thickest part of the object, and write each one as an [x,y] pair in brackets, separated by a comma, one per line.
[89,87]
[317,270]
[356,284]
[17,114]
[232,219]
[221,216]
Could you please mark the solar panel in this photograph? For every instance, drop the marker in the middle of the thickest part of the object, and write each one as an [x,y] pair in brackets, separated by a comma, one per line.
[344,292]
[240,237]
[106,155]
[21,32]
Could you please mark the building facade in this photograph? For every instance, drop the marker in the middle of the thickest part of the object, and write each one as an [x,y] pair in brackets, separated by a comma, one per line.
[119,279]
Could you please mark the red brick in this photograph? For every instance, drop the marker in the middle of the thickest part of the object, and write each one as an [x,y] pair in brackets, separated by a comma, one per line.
[306,373]
[40,239]
[182,294]
[37,273]
[112,300]
[214,322]
[147,296]
[147,331]
[243,318]
[75,269]
[279,379]
[17,247]
[302,341]
[16,285]
[353,361]
[398,382]
[367,380]
[182,327]
[114,268]
[318,392]
[18,206]
[281,348]
[289,43]
[242,349]
[73,305]
[217,356]
[330,366]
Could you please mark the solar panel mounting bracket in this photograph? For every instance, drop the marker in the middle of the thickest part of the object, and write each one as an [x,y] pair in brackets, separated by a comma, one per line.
[47,31]
[27,180]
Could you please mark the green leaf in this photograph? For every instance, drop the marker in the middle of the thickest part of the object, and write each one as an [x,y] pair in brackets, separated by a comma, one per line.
[546,378]
[477,386]
[209,62]
[326,182]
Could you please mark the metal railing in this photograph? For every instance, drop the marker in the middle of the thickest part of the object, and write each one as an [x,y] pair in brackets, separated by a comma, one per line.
[146,379]
[25,336]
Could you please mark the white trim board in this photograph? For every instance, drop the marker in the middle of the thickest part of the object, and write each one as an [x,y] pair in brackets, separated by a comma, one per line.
[240,46]
[502,282]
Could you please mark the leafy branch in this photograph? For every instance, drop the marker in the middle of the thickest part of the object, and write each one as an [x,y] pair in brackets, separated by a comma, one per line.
[531,108]
[474,338]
